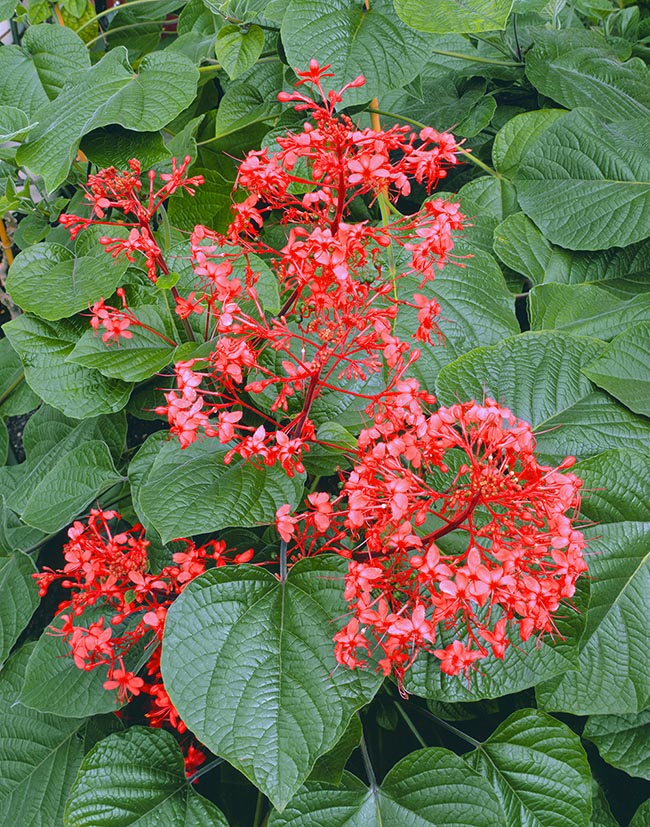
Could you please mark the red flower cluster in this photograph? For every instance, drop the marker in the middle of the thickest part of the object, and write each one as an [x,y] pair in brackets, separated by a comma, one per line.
[468,469]
[109,570]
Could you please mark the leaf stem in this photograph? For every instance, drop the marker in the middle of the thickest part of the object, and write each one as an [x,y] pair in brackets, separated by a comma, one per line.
[113,10]
[409,723]
[419,125]
[460,56]
[450,728]
[8,391]
[372,778]
[206,768]
[108,32]
[258,818]
[283,561]
[6,244]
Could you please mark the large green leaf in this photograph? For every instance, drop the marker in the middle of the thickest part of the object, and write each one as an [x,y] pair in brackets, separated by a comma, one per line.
[192,491]
[585,310]
[18,598]
[525,663]
[37,69]
[642,816]
[622,741]
[476,309]
[374,43]
[75,390]
[135,359]
[623,369]
[39,755]
[48,280]
[428,788]
[110,92]
[449,16]
[54,684]
[210,204]
[539,771]
[586,184]
[249,663]
[137,777]
[614,661]
[578,68]
[538,375]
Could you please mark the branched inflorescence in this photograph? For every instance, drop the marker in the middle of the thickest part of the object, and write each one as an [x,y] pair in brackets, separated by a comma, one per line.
[418,474]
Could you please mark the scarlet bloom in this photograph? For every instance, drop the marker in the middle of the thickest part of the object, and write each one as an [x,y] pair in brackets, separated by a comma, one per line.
[125,682]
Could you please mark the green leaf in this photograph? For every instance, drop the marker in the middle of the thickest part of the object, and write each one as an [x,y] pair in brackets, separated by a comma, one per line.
[616,486]
[39,755]
[525,663]
[249,663]
[238,49]
[14,124]
[448,16]
[620,270]
[137,777]
[109,93]
[191,491]
[601,815]
[428,788]
[517,134]
[622,741]
[72,484]
[114,147]
[538,376]
[614,662]
[253,99]
[642,816]
[210,204]
[329,768]
[54,684]
[374,43]
[75,390]
[4,443]
[585,310]
[496,196]
[623,369]
[18,598]
[579,69]
[586,184]
[48,280]
[132,360]
[476,308]
[539,771]
[17,397]
[39,66]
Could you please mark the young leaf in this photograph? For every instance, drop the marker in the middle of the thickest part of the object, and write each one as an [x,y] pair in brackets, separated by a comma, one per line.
[249,663]
[538,770]
[237,50]
[137,777]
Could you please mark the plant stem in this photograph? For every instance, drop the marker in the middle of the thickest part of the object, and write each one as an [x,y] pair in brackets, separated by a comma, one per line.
[409,723]
[372,778]
[450,728]
[205,769]
[108,32]
[283,561]
[259,810]
[113,10]
[476,59]
[419,125]
[8,391]
[6,244]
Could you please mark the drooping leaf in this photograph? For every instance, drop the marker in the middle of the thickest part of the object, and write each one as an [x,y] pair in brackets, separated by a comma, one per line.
[252,99]
[48,280]
[448,16]
[249,663]
[623,369]
[137,777]
[109,93]
[517,134]
[622,741]
[18,598]
[39,67]
[579,69]
[210,204]
[39,755]
[586,184]
[642,816]
[613,674]
[77,391]
[601,815]
[237,50]
[17,397]
[373,42]
[192,491]
[538,770]
[428,788]
[330,766]
[14,124]
[538,376]
[114,147]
